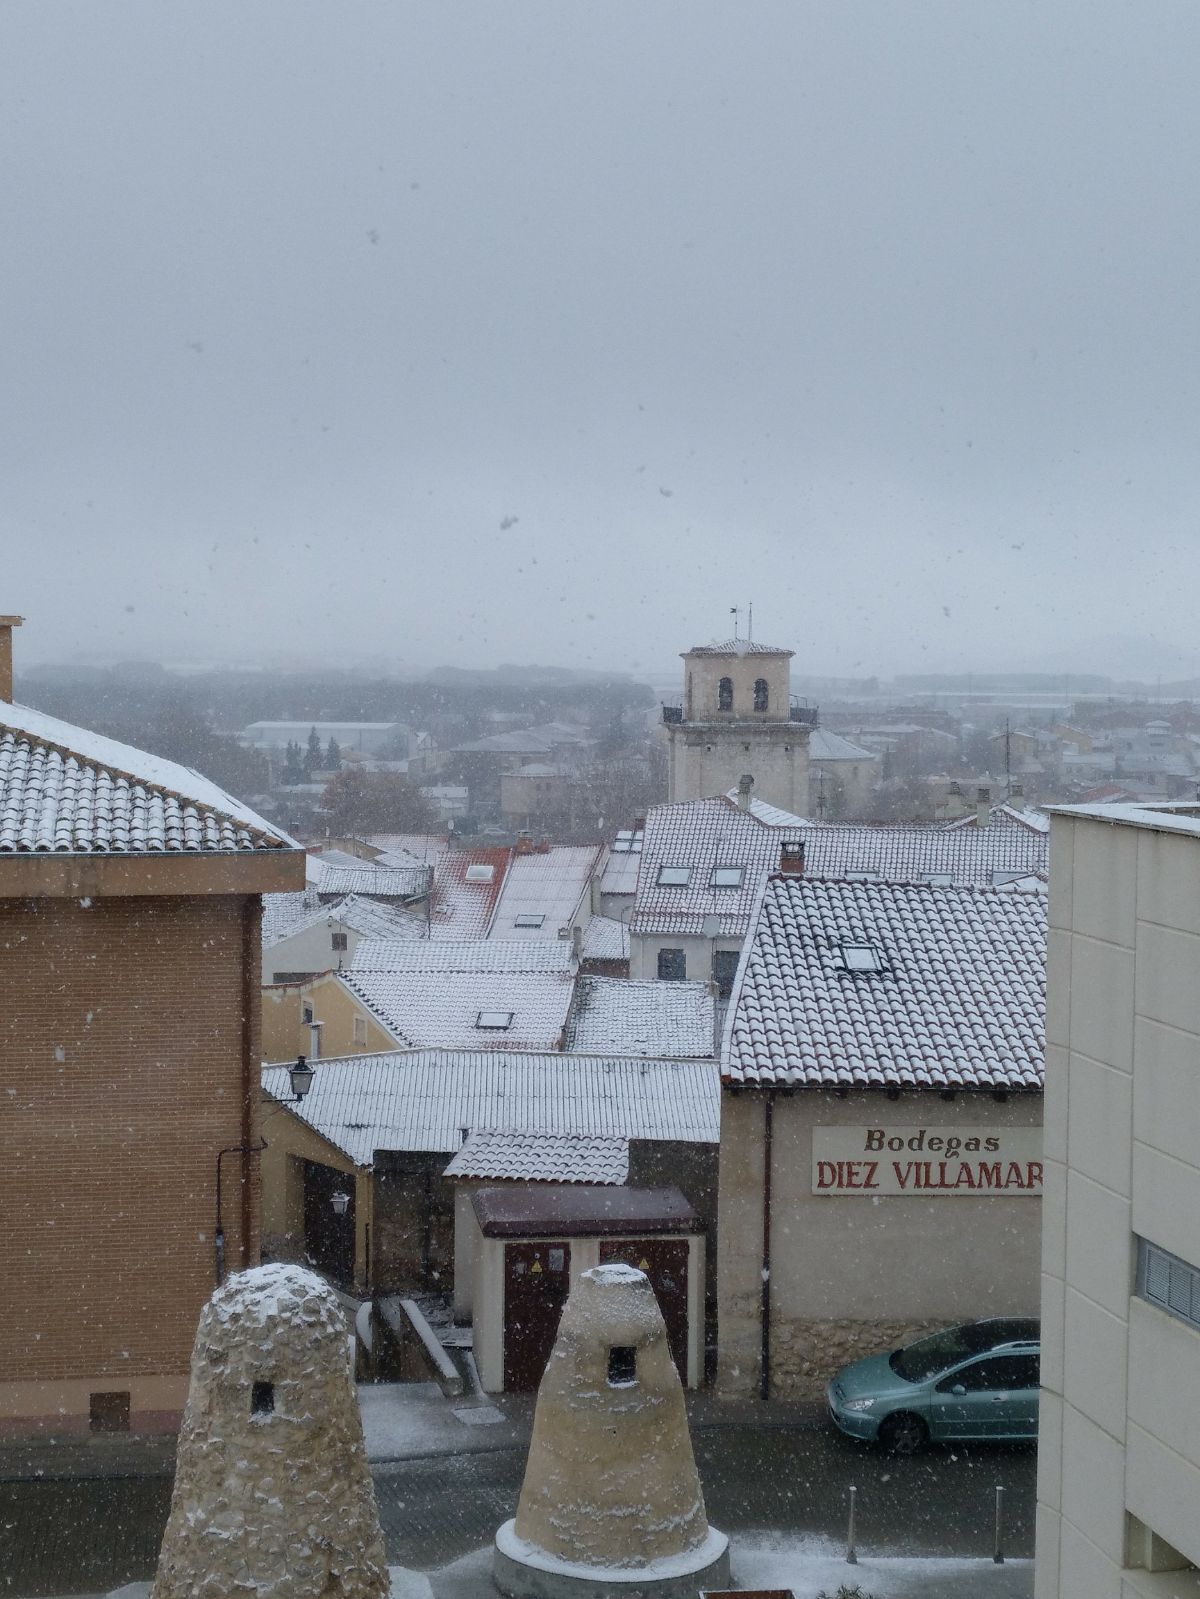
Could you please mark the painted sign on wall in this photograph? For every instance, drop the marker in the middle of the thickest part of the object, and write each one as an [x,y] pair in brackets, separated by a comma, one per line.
[926,1161]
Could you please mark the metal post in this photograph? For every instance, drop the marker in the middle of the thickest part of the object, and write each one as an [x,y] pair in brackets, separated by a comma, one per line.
[998,1551]
[851,1551]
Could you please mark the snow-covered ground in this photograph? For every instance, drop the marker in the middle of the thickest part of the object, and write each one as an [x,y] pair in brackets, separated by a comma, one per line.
[405,1420]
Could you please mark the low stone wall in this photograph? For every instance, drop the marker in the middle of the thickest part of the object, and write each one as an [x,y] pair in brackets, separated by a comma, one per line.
[806,1354]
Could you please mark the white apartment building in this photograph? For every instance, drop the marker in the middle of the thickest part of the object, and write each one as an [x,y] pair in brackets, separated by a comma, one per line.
[1119,1462]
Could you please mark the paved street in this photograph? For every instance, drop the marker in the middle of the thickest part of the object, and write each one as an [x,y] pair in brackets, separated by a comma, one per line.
[88,1534]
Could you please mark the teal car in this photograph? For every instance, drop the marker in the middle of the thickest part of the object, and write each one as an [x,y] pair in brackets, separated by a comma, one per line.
[977,1381]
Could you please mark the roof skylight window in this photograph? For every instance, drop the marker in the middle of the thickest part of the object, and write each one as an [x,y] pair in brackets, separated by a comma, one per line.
[1007,875]
[674,876]
[627,842]
[494,1020]
[480,872]
[938,879]
[726,877]
[862,877]
[861,958]
[529,919]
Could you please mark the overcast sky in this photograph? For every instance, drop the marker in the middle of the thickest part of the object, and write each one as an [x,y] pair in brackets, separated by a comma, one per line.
[500,330]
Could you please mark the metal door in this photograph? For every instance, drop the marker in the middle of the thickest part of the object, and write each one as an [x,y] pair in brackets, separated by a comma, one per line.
[665,1262]
[536,1281]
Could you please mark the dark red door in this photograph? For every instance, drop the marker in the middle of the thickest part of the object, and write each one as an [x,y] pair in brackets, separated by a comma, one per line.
[665,1262]
[536,1280]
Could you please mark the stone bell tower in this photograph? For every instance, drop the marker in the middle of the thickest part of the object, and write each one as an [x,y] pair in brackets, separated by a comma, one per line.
[737,717]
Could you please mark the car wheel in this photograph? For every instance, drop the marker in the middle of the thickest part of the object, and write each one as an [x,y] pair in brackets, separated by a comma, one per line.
[903,1433]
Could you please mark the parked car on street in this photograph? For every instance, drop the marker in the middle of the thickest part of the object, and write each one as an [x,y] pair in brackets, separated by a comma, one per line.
[975,1381]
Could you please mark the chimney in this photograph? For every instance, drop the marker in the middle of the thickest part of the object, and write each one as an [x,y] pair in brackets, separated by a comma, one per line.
[7,623]
[524,844]
[955,804]
[745,784]
[791,857]
[577,941]
[983,805]
[1017,798]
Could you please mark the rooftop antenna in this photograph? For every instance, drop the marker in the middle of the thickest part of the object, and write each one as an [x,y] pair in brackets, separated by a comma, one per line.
[733,611]
[750,623]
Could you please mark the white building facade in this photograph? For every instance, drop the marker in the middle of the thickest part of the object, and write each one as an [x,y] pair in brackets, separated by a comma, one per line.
[1119,1463]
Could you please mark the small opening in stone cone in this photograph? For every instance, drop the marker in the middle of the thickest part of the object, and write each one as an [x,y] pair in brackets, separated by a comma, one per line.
[622,1365]
[262,1399]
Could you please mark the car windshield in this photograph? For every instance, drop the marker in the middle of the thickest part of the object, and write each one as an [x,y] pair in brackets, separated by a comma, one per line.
[937,1353]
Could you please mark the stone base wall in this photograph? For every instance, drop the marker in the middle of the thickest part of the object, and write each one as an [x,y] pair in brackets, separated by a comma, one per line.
[806,1354]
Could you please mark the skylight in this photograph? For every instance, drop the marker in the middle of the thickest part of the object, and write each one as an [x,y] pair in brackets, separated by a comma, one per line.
[862,877]
[861,958]
[674,876]
[1008,875]
[726,877]
[494,1020]
[938,879]
[528,919]
[480,872]
[627,843]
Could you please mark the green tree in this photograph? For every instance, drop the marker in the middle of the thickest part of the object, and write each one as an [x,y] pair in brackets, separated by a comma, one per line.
[312,756]
[333,756]
[293,764]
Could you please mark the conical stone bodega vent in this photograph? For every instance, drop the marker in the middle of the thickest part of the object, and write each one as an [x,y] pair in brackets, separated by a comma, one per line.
[611,1503]
[272,1495]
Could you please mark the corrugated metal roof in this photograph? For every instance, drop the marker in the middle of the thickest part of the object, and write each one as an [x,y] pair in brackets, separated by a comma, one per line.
[464,955]
[422,1099]
[890,985]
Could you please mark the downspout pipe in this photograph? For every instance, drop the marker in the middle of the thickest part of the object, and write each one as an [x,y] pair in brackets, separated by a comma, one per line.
[764,1378]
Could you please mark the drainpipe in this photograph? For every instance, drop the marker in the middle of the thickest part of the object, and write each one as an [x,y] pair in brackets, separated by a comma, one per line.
[764,1380]
[251,1066]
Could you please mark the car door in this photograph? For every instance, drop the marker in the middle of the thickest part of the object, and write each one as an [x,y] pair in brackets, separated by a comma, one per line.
[969,1402]
[1017,1410]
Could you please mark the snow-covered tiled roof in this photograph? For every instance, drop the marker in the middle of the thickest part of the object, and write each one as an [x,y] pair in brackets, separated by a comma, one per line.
[605,939]
[888,985]
[384,882]
[69,791]
[737,646]
[907,854]
[465,892]
[449,1009]
[367,917]
[770,815]
[545,883]
[703,835]
[422,1099]
[542,1158]
[630,1017]
[464,955]
[1005,817]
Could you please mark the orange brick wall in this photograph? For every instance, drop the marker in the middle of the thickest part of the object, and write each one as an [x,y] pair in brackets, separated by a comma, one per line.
[122,1043]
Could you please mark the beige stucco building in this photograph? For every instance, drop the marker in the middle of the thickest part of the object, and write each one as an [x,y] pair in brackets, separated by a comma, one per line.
[1119,1462]
[737,717]
[880,1162]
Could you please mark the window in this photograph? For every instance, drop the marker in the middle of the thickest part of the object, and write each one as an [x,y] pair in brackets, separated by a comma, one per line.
[674,876]
[528,919]
[1168,1282]
[724,970]
[479,872]
[338,940]
[360,1029]
[262,1398]
[1007,875]
[726,877]
[108,1412]
[494,1020]
[861,958]
[998,1373]
[307,1013]
[725,694]
[622,1366]
[938,879]
[860,877]
[672,965]
[762,694]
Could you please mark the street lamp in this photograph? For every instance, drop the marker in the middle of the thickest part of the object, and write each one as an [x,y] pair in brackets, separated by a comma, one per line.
[301,1075]
[340,1203]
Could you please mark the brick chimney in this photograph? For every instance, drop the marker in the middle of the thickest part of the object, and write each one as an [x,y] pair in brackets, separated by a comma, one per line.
[983,805]
[7,623]
[791,857]
[745,784]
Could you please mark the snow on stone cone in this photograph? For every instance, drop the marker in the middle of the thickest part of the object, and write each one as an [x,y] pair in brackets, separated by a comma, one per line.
[611,1497]
[272,1495]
